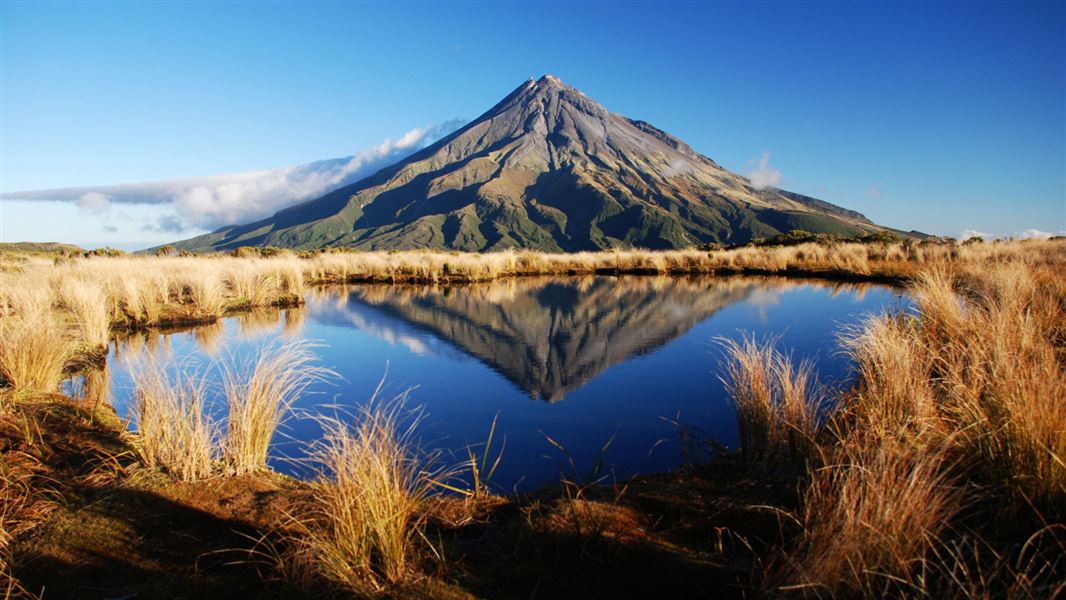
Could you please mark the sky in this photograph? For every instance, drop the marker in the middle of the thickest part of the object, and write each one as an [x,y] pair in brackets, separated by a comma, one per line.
[944,117]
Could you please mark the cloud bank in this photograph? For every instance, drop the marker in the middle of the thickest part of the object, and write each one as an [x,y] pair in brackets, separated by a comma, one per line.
[763,175]
[237,198]
[1025,234]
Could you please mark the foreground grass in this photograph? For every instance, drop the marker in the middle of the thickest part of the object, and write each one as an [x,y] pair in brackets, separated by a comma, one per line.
[34,348]
[259,397]
[371,497]
[952,443]
[175,429]
[940,473]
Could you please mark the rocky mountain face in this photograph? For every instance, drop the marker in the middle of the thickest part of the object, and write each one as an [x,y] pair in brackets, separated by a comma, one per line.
[551,169]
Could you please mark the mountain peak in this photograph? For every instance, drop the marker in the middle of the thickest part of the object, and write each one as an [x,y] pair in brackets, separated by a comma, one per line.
[550,168]
[550,80]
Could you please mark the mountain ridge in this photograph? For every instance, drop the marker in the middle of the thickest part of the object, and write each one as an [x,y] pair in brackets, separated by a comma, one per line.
[546,168]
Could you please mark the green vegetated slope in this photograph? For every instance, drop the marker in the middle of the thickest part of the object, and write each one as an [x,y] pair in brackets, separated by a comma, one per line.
[550,169]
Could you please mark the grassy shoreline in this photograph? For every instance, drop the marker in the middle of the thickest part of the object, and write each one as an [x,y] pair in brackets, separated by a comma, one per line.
[960,405]
[103,293]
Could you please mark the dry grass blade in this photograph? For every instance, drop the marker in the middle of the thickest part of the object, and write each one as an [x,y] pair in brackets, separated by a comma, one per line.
[33,351]
[88,305]
[260,395]
[869,523]
[369,498]
[174,431]
[779,404]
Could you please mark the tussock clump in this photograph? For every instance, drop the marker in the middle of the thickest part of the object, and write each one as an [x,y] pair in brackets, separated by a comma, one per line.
[779,404]
[980,363]
[252,286]
[206,292]
[895,396]
[870,523]
[34,348]
[369,502]
[260,396]
[88,306]
[174,431]
[966,392]
[1001,374]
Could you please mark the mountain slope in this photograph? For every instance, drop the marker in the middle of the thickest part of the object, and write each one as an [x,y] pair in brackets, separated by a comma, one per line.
[546,168]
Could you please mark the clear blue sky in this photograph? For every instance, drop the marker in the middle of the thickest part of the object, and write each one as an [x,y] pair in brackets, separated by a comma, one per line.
[934,116]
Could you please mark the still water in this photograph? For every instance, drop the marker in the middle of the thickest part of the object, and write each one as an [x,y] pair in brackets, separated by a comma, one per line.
[580,360]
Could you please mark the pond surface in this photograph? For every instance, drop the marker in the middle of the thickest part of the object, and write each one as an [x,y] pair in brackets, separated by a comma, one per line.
[582,360]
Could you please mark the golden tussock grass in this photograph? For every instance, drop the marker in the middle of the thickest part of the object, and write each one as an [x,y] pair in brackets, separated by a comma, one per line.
[142,291]
[250,285]
[174,430]
[778,403]
[34,346]
[205,292]
[260,396]
[965,392]
[88,306]
[171,410]
[982,362]
[870,523]
[896,396]
[997,352]
[370,500]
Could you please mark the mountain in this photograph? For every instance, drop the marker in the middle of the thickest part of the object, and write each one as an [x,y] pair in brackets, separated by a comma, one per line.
[546,336]
[546,168]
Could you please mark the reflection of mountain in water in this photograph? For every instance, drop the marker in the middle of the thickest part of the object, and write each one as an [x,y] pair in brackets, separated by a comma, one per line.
[545,336]
[349,312]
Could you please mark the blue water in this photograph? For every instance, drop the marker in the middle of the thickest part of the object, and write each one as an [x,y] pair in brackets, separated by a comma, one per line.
[579,360]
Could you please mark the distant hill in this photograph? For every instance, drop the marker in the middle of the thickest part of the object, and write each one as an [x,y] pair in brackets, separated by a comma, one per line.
[551,169]
[40,248]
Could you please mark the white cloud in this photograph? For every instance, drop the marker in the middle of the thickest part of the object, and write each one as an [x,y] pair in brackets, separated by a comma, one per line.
[762,175]
[1035,234]
[236,198]
[94,202]
[1025,234]
[677,166]
[972,233]
[874,191]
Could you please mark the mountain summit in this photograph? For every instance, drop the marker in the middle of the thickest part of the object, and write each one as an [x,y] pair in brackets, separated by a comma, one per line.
[546,168]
